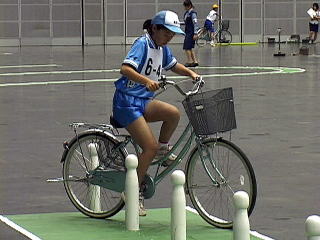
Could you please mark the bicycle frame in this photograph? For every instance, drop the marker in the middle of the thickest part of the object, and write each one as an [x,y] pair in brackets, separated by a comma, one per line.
[188,136]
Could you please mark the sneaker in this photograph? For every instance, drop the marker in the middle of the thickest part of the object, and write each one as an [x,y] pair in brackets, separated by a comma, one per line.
[212,44]
[142,210]
[162,152]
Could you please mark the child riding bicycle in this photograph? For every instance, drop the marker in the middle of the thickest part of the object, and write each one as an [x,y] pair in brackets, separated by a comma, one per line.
[209,23]
[133,103]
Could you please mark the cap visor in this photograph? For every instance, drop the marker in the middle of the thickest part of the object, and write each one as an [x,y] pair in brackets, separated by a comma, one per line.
[175,29]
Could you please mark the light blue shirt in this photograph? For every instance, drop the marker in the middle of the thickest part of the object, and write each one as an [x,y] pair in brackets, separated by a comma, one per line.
[147,59]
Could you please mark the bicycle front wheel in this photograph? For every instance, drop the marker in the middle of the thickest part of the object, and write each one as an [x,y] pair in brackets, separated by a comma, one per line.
[202,38]
[92,200]
[211,181]
[224,37]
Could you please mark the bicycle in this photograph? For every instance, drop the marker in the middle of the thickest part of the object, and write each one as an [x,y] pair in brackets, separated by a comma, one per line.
[216,168]
[221,35]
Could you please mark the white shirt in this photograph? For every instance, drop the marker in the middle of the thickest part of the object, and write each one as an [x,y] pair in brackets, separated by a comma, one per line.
[317,15]
[212,16]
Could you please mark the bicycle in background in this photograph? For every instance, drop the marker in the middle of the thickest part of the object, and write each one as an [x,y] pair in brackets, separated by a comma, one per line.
[221,36]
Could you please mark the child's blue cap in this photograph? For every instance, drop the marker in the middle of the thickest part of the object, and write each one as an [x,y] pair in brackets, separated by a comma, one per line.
[168,19]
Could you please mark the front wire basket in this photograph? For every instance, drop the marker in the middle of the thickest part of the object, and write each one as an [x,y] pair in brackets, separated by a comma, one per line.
[211,112]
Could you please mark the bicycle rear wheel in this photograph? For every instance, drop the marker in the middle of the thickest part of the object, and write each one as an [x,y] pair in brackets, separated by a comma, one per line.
[202,37]
[225,37]
[92,200]
[231,169]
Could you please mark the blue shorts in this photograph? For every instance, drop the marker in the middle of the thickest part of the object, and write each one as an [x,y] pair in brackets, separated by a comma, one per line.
[127,108]
[208,25]
[188,43]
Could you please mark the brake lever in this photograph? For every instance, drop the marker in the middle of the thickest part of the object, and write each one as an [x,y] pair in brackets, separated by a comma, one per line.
[162,81]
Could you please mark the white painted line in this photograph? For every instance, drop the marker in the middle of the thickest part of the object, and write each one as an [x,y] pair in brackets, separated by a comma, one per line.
[253,233]
[259,235]
[275,70]
[18,228]
[190,209]
[58,72]
[30,66]
[56,82]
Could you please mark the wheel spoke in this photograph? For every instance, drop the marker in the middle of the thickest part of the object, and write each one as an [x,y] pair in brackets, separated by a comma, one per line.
[233,172]
[92,200]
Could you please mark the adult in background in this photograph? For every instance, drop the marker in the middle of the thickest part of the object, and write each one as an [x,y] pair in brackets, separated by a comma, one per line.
[191,29]
[314,23]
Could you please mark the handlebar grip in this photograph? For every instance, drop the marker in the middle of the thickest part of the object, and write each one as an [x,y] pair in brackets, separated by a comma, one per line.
[198,79]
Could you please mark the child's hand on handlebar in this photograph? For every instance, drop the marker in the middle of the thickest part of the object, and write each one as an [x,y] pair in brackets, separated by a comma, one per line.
[196,78]
[152,86]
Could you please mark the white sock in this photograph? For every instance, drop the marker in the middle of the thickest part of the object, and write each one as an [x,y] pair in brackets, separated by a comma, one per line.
[163,145]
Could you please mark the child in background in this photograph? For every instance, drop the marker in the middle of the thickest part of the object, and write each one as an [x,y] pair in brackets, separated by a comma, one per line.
[209,23]
[314,23]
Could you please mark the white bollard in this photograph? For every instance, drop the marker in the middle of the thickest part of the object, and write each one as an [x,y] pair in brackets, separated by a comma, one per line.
[313,227]
[178,206]
[241,226]
[94,191]
[132,194]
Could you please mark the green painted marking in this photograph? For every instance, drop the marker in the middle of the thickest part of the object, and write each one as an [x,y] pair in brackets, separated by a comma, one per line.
[155,226]
[263,71]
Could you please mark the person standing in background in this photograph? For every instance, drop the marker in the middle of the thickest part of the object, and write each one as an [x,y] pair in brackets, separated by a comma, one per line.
[191,29]
[314,23]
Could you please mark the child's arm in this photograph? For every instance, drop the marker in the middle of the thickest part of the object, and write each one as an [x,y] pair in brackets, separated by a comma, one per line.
[133,75]
[184,71]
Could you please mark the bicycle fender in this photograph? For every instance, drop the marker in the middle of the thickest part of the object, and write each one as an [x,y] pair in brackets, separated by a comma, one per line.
[67,145]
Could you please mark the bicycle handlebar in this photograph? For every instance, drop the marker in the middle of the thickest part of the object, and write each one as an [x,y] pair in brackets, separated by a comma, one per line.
[198,83]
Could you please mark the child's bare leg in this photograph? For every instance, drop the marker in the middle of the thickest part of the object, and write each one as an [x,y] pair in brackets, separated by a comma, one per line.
[165,112]
[142,134]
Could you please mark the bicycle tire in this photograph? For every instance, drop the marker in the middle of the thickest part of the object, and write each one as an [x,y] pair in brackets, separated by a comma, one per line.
[91,200]
[225,37]
[202,35]
[215,203]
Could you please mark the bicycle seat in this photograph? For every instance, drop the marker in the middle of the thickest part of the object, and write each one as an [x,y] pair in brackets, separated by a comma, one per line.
[114,122]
